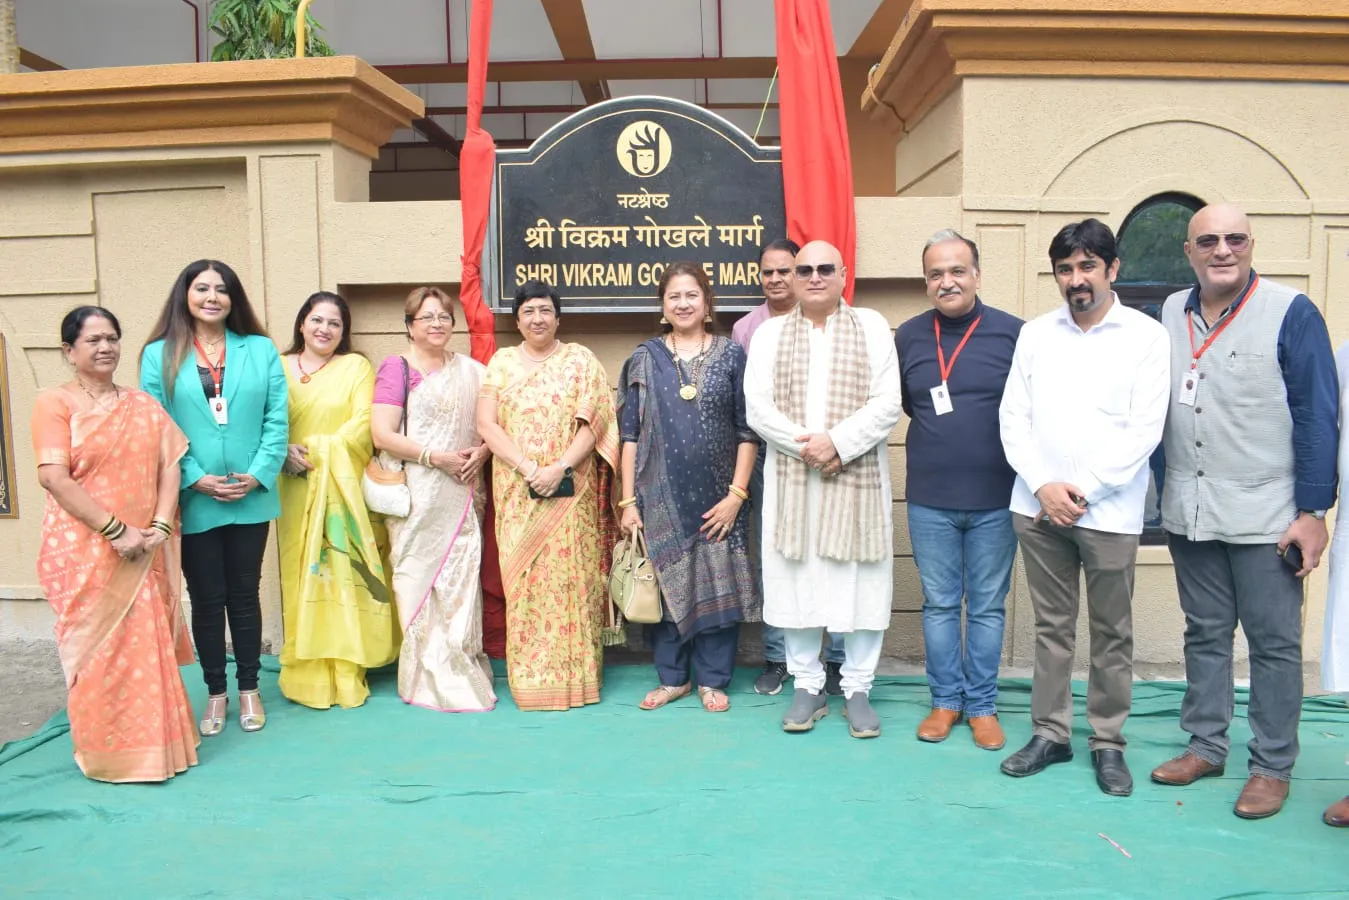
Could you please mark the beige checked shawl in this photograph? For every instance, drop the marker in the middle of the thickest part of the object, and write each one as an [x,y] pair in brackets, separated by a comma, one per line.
[854,496]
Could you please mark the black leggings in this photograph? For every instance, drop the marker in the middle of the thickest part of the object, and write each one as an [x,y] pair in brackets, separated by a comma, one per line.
[223,567]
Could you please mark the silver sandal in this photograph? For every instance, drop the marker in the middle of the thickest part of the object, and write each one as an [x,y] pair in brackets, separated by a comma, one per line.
[217,706]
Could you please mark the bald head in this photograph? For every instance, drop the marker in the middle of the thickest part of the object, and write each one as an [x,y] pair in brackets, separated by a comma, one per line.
[1219,218]
[819,293]
[1219,247]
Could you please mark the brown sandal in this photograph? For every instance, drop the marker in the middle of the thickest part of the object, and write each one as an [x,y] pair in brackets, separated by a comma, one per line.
[714,699]
[665,694]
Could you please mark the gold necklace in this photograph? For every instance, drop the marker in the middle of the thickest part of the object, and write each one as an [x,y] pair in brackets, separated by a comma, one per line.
[210,343]
[116,393]
[539,359]
[689,390]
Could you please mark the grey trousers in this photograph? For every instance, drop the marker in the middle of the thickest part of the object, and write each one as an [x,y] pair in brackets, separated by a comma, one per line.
[1220,585]
[1055,558]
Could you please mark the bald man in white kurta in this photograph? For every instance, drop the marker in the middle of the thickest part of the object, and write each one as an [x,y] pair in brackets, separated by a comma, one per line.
[806,596]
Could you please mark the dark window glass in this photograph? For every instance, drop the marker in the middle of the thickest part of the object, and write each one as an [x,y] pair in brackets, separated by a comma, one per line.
[1152,267]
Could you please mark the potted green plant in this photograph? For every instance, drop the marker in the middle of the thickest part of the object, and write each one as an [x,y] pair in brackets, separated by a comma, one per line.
[261,29]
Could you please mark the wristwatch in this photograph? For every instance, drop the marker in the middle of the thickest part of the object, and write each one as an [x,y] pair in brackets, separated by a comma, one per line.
[567,471]
[1314,513]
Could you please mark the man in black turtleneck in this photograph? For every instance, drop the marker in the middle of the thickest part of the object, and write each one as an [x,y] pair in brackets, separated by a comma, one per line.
[953,362]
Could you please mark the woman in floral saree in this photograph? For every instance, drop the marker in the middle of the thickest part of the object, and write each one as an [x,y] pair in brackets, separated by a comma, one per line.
[335,599]
[547,412]
[108,458]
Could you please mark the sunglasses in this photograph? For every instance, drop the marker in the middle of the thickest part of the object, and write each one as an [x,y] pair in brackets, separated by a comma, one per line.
[826,270]
[1235,242]
[781,273]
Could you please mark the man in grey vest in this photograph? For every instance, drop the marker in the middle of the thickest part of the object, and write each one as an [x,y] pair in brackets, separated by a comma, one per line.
[1250,443]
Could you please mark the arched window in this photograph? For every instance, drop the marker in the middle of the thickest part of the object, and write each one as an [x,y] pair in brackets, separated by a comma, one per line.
[1152,267]
[1151,244]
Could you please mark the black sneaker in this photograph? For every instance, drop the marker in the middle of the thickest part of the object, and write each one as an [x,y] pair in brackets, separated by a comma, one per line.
[770,682]
[833,679]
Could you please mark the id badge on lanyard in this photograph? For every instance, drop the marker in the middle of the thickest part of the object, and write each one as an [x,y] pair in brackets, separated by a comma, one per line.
[220,411]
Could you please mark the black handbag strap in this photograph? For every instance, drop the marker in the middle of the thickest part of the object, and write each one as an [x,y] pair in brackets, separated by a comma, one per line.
[407,377]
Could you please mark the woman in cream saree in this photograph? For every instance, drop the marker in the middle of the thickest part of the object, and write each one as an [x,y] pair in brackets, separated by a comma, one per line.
[335,597]
[437,550]
[109,454]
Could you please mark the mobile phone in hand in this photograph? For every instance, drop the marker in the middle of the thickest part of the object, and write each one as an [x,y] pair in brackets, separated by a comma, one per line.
[1292,557]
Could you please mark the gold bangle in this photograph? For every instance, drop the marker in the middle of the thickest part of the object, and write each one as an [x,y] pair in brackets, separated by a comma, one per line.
[108,526]
[163,526]
[626,502]
[118,530]
[739,491]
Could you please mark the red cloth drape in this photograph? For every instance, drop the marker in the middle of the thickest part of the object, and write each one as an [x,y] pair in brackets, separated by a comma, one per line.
[816,162]
[477,159]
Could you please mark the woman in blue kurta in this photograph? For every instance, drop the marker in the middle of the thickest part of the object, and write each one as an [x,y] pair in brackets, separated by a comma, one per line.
[687,457]
[211,365]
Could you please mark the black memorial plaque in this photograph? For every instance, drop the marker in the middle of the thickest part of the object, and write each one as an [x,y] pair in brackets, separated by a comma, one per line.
[603,201]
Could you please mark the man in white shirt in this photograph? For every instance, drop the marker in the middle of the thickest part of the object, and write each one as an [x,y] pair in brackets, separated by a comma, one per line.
[822,389]
[1082,412]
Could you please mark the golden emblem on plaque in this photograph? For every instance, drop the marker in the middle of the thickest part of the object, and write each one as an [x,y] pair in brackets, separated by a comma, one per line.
[643,149]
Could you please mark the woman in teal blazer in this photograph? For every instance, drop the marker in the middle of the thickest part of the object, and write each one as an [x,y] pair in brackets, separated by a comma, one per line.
[211,365]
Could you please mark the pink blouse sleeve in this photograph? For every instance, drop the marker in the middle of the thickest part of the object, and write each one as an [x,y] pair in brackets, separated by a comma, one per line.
[389,382]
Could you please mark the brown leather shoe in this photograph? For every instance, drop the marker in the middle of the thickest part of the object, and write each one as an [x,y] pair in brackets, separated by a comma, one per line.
[987,732]
[1185,769]
[937,726]
[1261,797]
[1337,814]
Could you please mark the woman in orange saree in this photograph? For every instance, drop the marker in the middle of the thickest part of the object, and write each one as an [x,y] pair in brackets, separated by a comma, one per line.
[547,412]
[108,458]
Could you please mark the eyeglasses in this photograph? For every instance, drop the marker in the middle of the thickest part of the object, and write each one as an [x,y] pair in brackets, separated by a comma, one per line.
[1235,242]
[826,270]
[435,319]
[781,273]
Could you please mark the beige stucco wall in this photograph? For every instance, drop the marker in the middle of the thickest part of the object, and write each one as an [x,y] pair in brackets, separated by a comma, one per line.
[1037,153]
[1007,160]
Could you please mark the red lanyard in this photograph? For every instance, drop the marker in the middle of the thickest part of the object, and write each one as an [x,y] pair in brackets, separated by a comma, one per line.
[1213,335]
[217,370]
[941,357]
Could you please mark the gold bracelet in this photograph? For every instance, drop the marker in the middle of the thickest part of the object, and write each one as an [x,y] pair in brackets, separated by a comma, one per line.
[739,491]
[626,502]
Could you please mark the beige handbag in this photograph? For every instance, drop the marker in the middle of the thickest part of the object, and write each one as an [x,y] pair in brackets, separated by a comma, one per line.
[632,581]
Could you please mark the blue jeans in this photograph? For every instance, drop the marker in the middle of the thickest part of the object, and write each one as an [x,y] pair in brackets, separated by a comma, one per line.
[774,647]
[967,555]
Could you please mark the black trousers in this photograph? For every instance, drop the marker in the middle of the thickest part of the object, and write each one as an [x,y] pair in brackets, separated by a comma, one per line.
[223,567]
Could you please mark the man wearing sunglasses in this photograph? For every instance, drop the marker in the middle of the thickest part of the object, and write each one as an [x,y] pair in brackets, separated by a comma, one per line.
[1251,440]
[1082,412]
[953,364]
[777,261]
[822,389]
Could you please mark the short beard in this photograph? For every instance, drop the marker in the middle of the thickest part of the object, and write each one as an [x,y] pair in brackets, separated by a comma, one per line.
[1080,304]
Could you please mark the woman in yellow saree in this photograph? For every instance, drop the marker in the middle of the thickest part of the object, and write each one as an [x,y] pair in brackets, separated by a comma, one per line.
[547,412]
[108,458]
[335,597]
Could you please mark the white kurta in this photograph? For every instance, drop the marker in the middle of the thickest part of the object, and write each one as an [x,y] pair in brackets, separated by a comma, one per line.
[815,592]
[1335,655]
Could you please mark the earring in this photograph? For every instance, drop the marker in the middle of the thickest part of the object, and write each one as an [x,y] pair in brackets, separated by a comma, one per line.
[707,318]
[664,321]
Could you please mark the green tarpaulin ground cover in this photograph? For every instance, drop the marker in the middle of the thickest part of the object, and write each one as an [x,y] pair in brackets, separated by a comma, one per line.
[390,801]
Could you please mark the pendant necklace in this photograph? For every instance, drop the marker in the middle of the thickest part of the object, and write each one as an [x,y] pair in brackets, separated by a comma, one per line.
[306,376]
[687,390]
